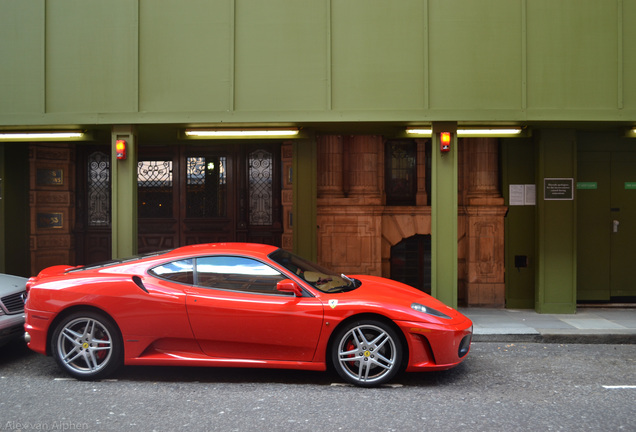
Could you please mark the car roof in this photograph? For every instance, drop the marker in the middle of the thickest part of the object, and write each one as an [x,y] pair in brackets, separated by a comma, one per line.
[253,249]
[260,251]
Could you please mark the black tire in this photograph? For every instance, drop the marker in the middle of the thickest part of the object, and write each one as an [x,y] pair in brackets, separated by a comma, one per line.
[87,345]
[367,353]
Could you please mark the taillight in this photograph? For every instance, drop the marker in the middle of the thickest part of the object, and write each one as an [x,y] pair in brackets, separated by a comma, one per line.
[29,284]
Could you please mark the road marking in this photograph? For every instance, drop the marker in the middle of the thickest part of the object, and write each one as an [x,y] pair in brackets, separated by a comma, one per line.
[73,379]
[381,385]
[617,387]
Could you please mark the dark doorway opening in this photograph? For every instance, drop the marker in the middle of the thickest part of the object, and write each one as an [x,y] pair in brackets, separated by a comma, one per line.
[411,262]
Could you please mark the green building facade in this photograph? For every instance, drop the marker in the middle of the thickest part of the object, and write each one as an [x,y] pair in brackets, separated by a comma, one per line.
[145,71]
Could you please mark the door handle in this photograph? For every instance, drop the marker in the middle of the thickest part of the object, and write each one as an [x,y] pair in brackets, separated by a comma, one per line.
[615,225]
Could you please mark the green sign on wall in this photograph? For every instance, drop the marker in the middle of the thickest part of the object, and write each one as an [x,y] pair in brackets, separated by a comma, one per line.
[630,185]
[587,185]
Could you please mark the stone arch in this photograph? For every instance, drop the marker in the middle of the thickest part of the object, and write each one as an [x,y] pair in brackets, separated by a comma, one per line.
[401,224]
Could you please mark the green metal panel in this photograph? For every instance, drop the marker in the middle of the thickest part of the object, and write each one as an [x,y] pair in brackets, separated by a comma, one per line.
[305,187]
[444,217]
[379,54]
[518,169]
[227,61]
[476,58]
[572,54]
[627,39]
[185,55]
[555,289]
[281,55]
[22,54]
[91,56]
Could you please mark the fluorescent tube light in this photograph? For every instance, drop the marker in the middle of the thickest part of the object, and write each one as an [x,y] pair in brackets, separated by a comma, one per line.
[489,131]
[419,131]
[24,135]
[238,133]
[493,132]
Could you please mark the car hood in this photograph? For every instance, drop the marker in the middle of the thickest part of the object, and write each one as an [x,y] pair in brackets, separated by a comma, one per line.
[10,284]
[387,291]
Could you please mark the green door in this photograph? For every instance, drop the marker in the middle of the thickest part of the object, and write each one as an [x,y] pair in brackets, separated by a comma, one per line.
[623,236]
[606,221]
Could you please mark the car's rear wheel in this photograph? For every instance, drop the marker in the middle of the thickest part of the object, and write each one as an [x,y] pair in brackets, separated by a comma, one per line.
[367,353]
[87,345]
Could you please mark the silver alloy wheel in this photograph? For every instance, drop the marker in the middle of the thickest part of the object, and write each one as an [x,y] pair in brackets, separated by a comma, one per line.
[368,354]
[84,346]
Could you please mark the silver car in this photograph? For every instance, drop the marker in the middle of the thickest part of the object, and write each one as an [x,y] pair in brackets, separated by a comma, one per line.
[12,295]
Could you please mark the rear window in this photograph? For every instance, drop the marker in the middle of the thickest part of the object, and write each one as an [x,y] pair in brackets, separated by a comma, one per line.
[117,261]
[181,271]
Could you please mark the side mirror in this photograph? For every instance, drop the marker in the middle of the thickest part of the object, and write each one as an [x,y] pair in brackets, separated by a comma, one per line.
[289,286]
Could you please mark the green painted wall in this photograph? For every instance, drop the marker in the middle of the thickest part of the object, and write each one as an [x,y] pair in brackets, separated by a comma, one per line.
[444,217]
[124,194]
[304,181]
[244,61]
[555,283]
[518,168]
[546,231]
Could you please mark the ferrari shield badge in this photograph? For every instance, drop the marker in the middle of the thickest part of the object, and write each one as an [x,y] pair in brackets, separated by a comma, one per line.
[333,303]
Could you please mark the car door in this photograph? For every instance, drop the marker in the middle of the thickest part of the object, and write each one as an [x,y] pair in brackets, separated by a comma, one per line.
[236,312]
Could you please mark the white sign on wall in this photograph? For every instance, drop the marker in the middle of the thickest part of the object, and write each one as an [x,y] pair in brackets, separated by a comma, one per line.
[522,194]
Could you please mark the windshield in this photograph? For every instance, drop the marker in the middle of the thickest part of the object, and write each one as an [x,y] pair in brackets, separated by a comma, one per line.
[320,278]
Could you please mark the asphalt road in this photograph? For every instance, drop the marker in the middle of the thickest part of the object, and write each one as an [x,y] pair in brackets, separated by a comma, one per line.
[500,387]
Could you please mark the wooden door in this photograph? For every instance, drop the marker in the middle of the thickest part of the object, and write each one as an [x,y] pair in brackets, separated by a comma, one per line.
[260,219]
[93,203]
[186,195]
[207,194]
[158,199]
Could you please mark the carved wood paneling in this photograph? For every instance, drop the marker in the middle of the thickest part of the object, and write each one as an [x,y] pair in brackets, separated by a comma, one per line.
[52,205]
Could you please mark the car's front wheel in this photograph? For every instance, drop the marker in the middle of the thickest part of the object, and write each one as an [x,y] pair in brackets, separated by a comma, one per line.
[367,353]
[87,345]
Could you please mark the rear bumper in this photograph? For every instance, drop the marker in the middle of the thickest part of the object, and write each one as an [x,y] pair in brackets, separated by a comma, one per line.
[436,347]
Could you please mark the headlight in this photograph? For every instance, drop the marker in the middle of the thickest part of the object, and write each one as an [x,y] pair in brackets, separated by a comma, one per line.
[429,310]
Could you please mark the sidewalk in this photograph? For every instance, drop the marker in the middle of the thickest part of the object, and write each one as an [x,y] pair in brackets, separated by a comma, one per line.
[589,325]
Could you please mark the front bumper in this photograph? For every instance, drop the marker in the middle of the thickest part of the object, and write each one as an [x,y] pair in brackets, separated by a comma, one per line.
[434,346]
[37,325]
[11,327]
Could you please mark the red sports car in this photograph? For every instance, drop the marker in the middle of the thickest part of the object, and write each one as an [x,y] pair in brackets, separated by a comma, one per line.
[238,305]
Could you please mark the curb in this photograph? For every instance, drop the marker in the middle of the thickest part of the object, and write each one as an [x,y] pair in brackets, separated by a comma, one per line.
[561,338]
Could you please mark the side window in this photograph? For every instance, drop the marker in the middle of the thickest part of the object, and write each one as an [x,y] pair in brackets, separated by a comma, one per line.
[237,274]
[177,271]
